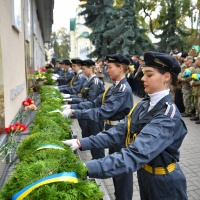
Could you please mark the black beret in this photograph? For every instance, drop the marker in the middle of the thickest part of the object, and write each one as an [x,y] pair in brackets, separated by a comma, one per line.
[67,62]
[76,61]
[88,63]
[117,58]
[162,61]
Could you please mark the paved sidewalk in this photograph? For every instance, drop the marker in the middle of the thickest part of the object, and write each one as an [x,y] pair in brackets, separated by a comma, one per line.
[189,161]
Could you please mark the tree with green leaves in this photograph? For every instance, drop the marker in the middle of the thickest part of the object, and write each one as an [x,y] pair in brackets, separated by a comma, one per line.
[60,43]
[63,37]
[55,45]
[169,24]
[124,32]
[97,15]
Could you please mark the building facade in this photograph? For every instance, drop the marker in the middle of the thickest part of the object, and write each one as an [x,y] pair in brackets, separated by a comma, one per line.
[25,27]
[80,44]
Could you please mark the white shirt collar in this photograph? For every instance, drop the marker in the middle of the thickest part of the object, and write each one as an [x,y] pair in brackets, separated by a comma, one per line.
[91,77]
[116,83]
[79,71]
[156,97]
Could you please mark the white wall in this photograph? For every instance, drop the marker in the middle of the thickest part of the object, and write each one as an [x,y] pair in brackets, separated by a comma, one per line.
[13,44]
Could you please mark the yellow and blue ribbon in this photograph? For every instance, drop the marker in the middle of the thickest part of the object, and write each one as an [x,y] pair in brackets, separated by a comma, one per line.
[64,176]
[187,73]
[55,111]
[50,146]
[196,77]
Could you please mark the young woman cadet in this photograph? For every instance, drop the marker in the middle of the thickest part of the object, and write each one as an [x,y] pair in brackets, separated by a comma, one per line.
[111,107]
[77,82]
[66,75]
[92,89]
[90,92]
[153,134]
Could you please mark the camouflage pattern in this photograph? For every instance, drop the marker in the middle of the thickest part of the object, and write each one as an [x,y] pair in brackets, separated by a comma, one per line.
[186,88]
[196,93]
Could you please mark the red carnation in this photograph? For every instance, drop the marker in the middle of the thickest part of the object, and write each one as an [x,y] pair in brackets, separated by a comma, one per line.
[7,130]
[21,127]
[30,101]
[13,127]
[25,103]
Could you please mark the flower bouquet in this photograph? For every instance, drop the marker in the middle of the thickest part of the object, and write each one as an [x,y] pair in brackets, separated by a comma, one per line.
[13,130]
[43,155]
[29,104]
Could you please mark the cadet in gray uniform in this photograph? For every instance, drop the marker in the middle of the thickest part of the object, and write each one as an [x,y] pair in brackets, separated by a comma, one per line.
[111,107]
[92,89]
[67,74]
[89,92]
[77,82]
[153,133]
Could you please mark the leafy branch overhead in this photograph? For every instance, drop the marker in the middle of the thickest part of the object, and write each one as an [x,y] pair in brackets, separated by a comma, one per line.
[124,26]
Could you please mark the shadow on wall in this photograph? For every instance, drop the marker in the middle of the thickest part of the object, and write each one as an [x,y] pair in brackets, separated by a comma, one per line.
[2,114]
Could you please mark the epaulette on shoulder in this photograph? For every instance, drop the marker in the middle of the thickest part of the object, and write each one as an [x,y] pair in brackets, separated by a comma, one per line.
[96,81]
[80,75]
[122,87]
[170,110]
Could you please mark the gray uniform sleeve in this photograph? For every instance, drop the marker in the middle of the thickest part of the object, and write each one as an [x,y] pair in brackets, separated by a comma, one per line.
[107,110]
[105,139]
[68,78]
[151,141]
[88,104]
[76,87]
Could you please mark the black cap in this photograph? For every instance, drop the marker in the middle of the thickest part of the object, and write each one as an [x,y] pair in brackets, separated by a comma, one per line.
[117,58]
[67,62]
[162,61]
[184,54]
[88,63]
[61,63]
[76,61]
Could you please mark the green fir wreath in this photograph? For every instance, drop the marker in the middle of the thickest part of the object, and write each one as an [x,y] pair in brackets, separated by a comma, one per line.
[37,161]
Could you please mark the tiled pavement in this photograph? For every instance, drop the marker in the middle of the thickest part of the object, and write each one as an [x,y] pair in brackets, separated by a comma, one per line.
[189,161]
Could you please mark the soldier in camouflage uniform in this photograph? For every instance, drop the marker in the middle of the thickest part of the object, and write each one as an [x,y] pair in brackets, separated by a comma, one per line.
[196,92]
[185,79]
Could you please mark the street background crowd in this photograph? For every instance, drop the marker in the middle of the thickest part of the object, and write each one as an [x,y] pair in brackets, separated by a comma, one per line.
[186,94]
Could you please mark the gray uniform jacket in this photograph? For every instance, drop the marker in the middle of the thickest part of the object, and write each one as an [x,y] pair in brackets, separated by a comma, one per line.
[66,77]
[79,81]
[117,104]
[90,91]
[160,134]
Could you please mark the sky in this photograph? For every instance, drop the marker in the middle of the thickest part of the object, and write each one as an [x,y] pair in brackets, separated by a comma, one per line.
[63,11]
